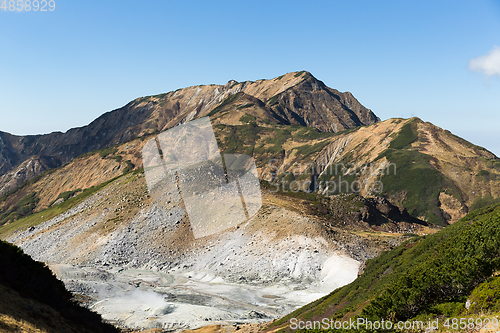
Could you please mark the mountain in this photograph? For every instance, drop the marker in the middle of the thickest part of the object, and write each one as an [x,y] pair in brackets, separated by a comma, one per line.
[293,98]
[338,186]
[435,176]
[425,170]
[27,170]
[422,278]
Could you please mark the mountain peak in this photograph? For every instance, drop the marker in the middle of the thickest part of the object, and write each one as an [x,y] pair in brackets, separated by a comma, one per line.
[295,98]
[230,83]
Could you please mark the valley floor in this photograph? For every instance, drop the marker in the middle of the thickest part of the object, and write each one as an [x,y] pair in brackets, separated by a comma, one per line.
[184,300]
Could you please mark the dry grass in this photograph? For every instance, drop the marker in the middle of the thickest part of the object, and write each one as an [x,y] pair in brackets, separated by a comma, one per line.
[19,314]
[244,328]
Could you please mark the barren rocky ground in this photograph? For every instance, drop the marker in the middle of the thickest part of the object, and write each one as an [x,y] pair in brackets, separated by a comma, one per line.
[134,259]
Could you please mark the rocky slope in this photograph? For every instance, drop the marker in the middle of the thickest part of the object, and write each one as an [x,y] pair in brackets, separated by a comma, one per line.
[293,98]
[281,122]
[423,280]
[26,171]
[135,259]
[432,173]
[435,176]
[429,172]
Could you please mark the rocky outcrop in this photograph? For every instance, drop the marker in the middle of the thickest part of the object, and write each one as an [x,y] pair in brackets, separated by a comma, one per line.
[311,103]
[27,170]
[355,212]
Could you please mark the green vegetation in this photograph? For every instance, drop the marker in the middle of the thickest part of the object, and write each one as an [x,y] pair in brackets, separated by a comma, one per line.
[485,298]
[129,166]
[267,143]
[414,175]
[117,158]
[487,200]
[343,183]
[310,133]
[108,151]
[225,102]
[405,137]
[68,194]
[244,106]
[22,208]
[277,138]
[485,175]
[34,219]
[118,218]
[445,276]
[424,277]
[240,138]
[273,100]
[103,153]
[246,139]
[299,73]
[311,149]
[247,118]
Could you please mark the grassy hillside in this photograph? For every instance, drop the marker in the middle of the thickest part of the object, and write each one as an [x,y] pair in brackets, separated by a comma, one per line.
[434,175]
[32,219]
[430,276]
[421,182]
[33,300]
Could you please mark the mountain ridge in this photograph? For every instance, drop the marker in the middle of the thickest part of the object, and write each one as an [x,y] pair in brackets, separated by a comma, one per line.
[458,176]
[94,220]
[293,93]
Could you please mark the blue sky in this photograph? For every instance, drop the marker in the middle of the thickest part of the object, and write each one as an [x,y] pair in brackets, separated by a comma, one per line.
[64,68]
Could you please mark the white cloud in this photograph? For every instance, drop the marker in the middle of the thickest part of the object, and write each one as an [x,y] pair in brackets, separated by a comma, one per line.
[488,64]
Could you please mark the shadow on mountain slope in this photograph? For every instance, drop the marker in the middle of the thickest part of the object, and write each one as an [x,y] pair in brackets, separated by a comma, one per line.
[33,300]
